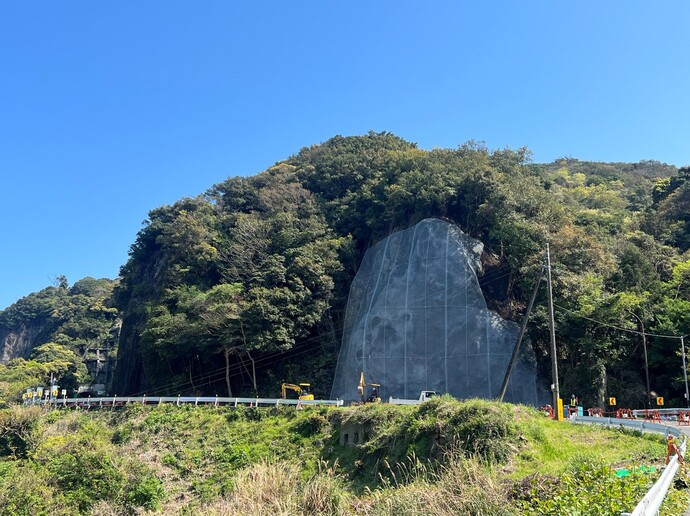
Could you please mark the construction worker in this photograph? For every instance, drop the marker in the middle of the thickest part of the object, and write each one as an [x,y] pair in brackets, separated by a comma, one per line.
[672,449]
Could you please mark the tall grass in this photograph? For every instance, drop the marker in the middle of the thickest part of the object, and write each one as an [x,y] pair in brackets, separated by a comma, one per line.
[455,485]
[444,457]
[461,486]
[276,488]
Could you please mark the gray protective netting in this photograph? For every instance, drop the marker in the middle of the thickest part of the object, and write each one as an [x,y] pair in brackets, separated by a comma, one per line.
[417,320]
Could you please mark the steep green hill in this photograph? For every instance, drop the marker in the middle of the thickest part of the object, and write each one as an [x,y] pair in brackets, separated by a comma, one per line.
[245,286]
[443,457]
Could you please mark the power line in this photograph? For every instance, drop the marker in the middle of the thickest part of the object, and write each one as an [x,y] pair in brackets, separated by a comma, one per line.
[602,323]
[215,375]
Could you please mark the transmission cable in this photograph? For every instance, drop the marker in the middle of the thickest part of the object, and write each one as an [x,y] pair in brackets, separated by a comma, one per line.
[602,323]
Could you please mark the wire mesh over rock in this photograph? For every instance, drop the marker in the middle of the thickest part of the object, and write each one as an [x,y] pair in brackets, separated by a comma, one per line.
[417,320]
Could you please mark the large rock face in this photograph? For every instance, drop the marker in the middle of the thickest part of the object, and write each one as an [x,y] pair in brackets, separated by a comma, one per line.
[417,320]
[19,342]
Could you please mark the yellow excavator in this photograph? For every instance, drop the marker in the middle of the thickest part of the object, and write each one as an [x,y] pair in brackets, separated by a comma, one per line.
[373,396]
[302,390]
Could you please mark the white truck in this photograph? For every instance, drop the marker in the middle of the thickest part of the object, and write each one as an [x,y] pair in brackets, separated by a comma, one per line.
[423,396]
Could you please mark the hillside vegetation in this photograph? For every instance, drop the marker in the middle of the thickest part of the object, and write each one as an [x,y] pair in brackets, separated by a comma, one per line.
[243,287]
[443,457]
[60,331]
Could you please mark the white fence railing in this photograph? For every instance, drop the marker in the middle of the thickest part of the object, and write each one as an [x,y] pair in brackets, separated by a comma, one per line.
[650,504]
[115,401]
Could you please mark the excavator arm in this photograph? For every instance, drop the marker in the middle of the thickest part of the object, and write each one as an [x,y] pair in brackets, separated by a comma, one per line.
[302,390]
[292,387]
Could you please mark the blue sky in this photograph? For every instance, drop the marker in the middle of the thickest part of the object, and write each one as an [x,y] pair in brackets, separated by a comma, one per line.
[110,109]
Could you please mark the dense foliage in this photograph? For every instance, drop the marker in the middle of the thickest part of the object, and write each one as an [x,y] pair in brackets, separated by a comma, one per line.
[62,326]
[245,286]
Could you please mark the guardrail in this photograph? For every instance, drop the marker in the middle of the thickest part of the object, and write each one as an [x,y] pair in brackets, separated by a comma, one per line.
[643,426]
[116,401]
[649,505]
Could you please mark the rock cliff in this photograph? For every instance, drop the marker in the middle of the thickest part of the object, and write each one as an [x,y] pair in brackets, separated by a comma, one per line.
[417,320]
[18,342]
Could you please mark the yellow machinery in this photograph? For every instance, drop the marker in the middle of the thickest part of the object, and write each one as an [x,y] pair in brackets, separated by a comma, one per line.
[302,390]
[361,389]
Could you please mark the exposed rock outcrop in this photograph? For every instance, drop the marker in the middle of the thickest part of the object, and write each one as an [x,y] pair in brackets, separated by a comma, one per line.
[417,320]
[18,342]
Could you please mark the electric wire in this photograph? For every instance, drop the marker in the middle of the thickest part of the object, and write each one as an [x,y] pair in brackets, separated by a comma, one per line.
[210,377]
[219,373]
[602,323]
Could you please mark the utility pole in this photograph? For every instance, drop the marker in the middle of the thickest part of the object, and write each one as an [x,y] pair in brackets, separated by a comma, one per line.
[504,387]
[554,362]
[685,372]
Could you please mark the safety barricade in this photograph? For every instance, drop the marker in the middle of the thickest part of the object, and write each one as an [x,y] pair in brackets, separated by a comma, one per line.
[652,415]
[548,411]
[625,413]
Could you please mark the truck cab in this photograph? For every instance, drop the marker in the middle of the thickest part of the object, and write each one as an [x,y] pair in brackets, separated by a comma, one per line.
[427,395]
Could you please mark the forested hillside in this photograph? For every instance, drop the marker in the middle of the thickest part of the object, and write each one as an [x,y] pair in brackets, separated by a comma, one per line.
[68,332]
[245,286]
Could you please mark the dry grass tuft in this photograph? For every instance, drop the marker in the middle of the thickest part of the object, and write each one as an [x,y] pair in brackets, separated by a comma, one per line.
[264,488]
[277,489]
[460,486]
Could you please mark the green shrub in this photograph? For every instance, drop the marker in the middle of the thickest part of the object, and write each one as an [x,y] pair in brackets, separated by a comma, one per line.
[122,435]
[25,492]
[589,487]
[18,430]
[147,492]
[85,476]
[483,429]
[393,434]
[310,423]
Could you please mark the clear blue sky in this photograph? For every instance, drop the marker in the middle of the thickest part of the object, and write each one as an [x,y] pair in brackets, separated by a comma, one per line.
[110,109]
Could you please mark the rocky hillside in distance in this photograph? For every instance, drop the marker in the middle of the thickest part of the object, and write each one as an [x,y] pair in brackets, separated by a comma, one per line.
[60,330]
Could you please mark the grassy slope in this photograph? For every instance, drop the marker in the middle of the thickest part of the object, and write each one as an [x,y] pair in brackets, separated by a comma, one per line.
[553,445]
[445,457]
